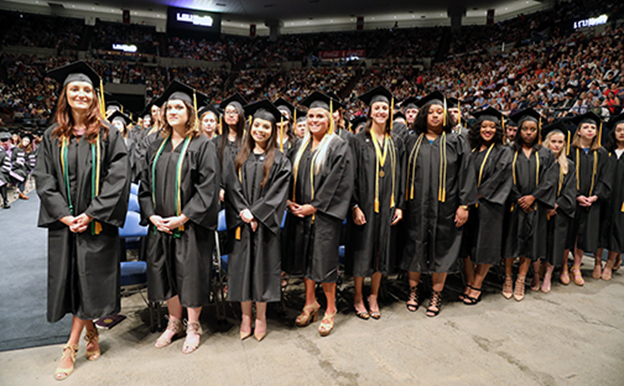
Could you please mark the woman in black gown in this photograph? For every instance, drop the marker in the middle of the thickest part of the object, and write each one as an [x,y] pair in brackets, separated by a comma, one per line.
[614,220]
[561,216]
[287,141]
[83,180]
[377,202]
[534,174]
[255,197]
[440,186]
[483,236]
[232,132]
[178,194]
[322,185]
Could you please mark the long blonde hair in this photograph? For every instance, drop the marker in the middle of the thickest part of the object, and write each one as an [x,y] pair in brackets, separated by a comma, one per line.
[562,159]
[322,150]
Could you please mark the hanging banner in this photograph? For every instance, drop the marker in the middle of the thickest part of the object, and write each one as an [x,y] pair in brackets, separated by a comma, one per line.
[490,17]
[337,54]
[360,23]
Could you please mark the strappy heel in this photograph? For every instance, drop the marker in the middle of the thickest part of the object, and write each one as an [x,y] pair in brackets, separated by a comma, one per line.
[327,324]
[577,277]
[192,328]
[471,301]
[519,290]
[174,325]
[508,287]
[309,315]
[68,350]
[374,314]
[90,337]
[435,302]
[413,297]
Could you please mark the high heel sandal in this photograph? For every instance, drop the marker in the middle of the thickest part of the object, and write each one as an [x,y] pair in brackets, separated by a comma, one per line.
[436,301]
[362,314]
[577,277]
[547,279]
[327,324]
[508,287]
[564,278]
[413,297]
[607,272]
[174,325]
[374,314]
[192,328]
[471,301]
[309,315]
[62,373]
[519,290]
[462,295]
[93,336]
[597,273]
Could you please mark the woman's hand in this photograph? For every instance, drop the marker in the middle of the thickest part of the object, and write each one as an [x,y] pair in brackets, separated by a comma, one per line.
[221,195]
[461,216]
[159,224]
[358,216]
[254,225]
[304,210]
[246,216]
[526,202]
[174,222]
[398,216]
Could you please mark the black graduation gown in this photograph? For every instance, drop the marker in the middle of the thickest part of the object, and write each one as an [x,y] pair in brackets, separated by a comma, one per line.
[615,218]
[19,166]
[131,145]
[344,133]
[399,130]
[525,232]
[559,225]
[5,167]
[254,264]
[371,247]
[291,147]
[141,148]
[587,221]
[433,242]
[311,247]
[483,233]
[181,266]
[83,269]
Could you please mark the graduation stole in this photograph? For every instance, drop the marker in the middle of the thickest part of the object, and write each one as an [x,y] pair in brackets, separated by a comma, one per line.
[96,226]
[443,163]
[380,160]
[482,165]
[594,171]
[537,166]
[178,200]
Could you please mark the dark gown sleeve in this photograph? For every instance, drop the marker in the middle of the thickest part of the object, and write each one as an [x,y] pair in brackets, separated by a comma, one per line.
[545,191]
[145,186]
[333,196]
[497,187]
[567,197]
[111,204]
[53,203]
[401,165]
[269,209]
[468,194]
[605,175]
[354,144]
[203,207]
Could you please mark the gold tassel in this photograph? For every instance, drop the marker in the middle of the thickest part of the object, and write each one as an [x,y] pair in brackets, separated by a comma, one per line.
[512,207]
[539,131]
[238,233]
[102,101]
[568,147]
[281,137]
[196,125]
[331,115]
[459,116]
[391,114]
[444,117]
[600,134]
[622,210]
[376,206]
[98,227]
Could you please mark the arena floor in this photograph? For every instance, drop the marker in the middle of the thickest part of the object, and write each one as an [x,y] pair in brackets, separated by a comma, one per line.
[571,336]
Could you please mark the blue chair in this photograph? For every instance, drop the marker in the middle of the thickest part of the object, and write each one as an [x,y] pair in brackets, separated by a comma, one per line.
[134,189]
[219,269]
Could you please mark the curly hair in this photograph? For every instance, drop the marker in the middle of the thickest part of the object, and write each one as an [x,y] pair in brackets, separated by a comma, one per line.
[474,133]
[66,123]
[611,142]
[420,122]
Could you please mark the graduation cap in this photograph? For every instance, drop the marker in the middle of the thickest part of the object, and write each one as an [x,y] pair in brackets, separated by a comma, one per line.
[613,121]
[180,91]
[281,102]
[300,115]
[378,94]
[75,72]
[119,116]
[334,96]
[236,98]
[410,103]
[209,108]
[319,100]
[558,127]
[114,105]
[435,96]
[358,121]
[399,115]
[5,136]
[263,109]
[527,114]
[489,114]
[591,118]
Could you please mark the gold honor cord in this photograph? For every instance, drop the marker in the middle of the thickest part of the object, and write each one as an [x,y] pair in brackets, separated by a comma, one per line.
[537,166]
[97,157]
[412,161]
[281,137]
[483,164]
[240,179]
[444,116]
[391,115]
[459,116]
[443,164]
[380,160]
[102,101]
[296,166]
[594,171]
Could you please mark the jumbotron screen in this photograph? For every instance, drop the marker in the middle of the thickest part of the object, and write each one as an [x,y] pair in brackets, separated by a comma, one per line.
[190,20]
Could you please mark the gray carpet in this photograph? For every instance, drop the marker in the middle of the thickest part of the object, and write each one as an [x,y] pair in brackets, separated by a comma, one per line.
[23,283]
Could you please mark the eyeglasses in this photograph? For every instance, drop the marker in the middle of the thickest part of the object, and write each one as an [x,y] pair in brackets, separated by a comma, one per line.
[230,112]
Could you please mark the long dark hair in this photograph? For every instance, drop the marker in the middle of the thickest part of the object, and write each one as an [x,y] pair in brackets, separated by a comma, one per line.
[420,122]
[239,128]
[269,151]
[474,134]
[66,123]
[611,142]
[517,144]
[288,122]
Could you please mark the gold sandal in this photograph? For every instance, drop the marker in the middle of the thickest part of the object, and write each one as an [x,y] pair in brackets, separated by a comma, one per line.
[327,324]
[174,325]
[192,328]
[577,277]
[309,315]
[61,373]
[93,336]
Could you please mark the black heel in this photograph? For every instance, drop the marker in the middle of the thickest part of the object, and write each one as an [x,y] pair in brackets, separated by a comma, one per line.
[470,301]
[436,301]
[413,297]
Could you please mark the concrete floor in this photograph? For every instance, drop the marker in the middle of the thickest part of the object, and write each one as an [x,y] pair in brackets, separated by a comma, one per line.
[571,336]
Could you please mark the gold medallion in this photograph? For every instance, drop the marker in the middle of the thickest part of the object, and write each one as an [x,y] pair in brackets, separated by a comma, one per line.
[382,173]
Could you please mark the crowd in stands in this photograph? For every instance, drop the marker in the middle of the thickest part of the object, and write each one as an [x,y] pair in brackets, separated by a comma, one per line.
[30,30]
[561,72]
[105,34]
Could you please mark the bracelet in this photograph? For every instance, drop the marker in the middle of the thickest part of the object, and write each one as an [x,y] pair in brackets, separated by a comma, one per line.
[464,206]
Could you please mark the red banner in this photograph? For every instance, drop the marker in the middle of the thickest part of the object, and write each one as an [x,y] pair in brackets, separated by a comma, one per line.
[342,54]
